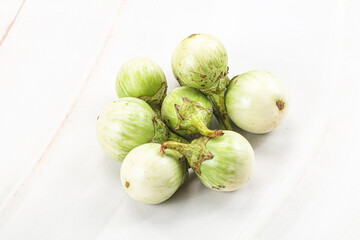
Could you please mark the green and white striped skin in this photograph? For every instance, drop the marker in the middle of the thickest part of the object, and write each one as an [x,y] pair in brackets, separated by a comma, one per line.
[142,78]
[123,125]
[257,101]
[179,117]
[150,177]
[199,60]
[232,164]
[224,163]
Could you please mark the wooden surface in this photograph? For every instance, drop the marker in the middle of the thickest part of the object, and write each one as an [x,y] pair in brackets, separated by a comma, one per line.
[58,62]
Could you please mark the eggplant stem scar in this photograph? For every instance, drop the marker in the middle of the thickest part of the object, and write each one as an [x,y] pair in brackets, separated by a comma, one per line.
[280,104]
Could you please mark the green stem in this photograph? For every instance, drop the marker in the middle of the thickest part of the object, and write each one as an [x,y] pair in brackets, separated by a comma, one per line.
[185,149]
[192,117]
[218,102]
[156,100]
[176,138]
[195,152]
[157,109]
[228,80]
[162,132]
[203,129]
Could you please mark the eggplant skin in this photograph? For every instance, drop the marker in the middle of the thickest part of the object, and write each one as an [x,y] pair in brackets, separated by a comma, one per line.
[150,177]
[257,101]
[232,164]
[168,111]
[199,61]
[139,77]
[123,125]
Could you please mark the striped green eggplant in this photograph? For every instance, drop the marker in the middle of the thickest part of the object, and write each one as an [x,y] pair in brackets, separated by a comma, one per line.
[188,112]
[142,78]
[201,61]
[127,123]
[224,163]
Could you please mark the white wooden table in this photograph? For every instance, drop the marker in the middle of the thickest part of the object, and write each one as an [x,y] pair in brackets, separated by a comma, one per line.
[58,62]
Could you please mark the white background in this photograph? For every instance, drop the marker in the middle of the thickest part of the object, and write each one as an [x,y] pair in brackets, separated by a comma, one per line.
[58,63]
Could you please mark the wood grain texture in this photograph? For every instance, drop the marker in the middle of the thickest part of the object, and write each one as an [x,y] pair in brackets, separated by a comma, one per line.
[306,183]
[9,11]
[43,66]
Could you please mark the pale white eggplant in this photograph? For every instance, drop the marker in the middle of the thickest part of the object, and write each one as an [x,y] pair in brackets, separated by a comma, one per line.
[151,177]
[257,101]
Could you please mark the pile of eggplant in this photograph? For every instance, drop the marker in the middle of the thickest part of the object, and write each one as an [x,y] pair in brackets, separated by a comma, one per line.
[158,137]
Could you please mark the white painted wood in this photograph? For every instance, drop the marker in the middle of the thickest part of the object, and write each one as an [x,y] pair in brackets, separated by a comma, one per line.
[44,62]
[306,183]
[9,10]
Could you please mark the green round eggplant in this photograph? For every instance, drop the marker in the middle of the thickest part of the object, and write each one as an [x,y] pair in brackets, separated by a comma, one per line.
[188,112]
[123,125]
[224,163]
[201,61]
[127,123]
[142,78]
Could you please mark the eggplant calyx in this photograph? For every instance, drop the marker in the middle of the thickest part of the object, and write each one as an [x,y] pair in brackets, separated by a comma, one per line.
[162,132]
[192,116]
[195,152]
[156,100]
[218,102]
[216,93]
[219,85]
